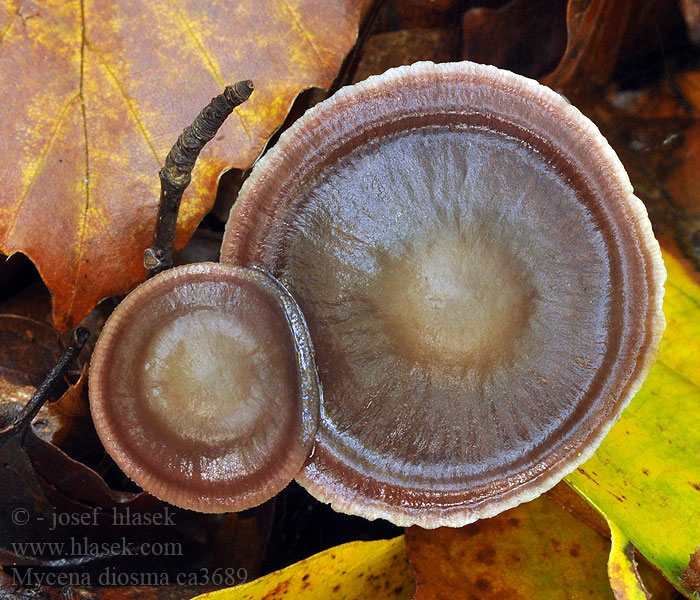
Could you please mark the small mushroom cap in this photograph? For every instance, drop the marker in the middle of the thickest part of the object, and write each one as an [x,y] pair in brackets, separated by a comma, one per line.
[203,387]
[482,287]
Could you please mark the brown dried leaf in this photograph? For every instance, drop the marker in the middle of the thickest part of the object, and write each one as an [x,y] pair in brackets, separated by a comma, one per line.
[691,14]
[63,511]
[70,415]
[28,351]
[395,48]
[426,13]
[602,34]
[656,133]
[570,501]
[657,585]
[596,29]
[94,93]
[29,348]
[525,36]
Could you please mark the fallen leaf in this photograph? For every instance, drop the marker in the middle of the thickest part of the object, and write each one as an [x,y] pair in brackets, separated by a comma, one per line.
[505,36]
[691,14]
[645,477]
[29,348]
[395,48]
[622,568]
[651,578]
[536,551]
[656,135]
[353,571]
[603,35]
[426,13]
[70,415]
[681,179]
[94,93]
[596,29]
[64,517]
[28,351]
[691,576]
[565,496]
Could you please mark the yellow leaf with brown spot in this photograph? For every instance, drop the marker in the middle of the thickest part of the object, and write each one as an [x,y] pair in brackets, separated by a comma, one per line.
[95,92]
[354,571]
[536,551]
[645,477]
[622,568]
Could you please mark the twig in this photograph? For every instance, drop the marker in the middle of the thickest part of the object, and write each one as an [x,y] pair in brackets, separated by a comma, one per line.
[29,411]
[176,174]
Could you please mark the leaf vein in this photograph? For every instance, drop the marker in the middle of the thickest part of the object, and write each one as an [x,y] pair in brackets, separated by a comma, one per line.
[678,374]
[129,102]
[304,34]
[209,61]
[83,225]
[683,293]
[11,22]
[37,171]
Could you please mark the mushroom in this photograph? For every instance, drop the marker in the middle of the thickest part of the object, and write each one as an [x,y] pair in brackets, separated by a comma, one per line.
[203,387]
[483,289]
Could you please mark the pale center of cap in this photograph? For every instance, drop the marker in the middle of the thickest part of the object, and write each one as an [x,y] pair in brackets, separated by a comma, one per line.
[206,382]
[457,299]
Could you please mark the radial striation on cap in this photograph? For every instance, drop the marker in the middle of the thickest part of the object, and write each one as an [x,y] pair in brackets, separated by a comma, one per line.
[482,287]
[203,387]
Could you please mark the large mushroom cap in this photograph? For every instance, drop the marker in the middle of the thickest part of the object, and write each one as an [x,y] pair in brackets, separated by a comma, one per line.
[203,387]
[482,287]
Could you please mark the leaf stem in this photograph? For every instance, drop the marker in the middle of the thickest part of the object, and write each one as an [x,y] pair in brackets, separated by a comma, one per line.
[176,173]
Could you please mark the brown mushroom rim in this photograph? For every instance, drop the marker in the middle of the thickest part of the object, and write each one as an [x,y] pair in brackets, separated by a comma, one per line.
[203,387]
[482,287]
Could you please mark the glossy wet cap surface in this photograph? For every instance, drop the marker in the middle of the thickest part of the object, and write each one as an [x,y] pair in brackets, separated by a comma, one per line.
[482,288]
[202,387]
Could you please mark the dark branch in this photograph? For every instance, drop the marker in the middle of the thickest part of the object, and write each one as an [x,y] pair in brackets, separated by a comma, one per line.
[30,410]
[176,174]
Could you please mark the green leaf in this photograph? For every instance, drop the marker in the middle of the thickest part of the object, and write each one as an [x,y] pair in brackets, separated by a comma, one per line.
[645,477]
